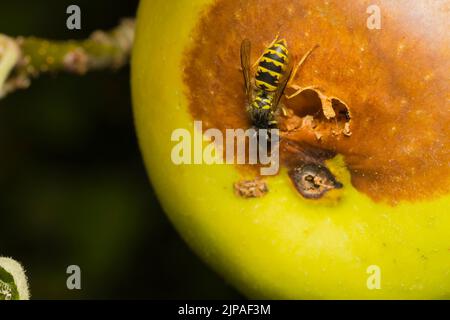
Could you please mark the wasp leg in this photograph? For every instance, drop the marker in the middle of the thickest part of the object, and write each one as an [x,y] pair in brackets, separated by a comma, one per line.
[269,46]
[297,88]
[297,67]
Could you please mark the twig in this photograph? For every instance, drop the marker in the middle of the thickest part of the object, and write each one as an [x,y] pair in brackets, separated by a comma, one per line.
[25,58]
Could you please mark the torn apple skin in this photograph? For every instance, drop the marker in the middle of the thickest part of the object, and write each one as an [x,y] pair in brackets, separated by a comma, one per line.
[251,188]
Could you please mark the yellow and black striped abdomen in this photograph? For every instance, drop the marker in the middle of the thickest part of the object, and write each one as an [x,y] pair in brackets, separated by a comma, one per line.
[261,110]
[262,101]
[272,66]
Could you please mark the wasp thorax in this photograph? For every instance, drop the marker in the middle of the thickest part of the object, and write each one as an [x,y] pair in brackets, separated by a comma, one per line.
[313,180]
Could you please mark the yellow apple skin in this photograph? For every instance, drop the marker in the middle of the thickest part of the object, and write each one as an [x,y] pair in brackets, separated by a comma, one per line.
[280,246]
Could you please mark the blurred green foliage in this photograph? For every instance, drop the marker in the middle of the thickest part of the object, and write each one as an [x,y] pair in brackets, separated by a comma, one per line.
[73,189]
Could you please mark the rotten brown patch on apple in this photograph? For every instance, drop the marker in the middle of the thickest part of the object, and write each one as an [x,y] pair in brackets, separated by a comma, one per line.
[378,97]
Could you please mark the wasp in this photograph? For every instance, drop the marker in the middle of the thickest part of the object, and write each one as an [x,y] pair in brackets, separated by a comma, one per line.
[273,73]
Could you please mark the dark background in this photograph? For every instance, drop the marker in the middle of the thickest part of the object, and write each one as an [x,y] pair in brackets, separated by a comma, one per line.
[73,189]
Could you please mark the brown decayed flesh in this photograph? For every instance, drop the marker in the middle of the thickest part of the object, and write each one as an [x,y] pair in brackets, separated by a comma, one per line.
[389,88]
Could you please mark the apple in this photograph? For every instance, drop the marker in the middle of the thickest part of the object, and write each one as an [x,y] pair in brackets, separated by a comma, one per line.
[371,110]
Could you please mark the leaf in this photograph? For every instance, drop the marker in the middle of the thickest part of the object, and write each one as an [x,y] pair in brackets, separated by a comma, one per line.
[13,281]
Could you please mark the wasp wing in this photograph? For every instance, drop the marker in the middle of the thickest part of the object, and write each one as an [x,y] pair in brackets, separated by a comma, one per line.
[245,64]
[282,85]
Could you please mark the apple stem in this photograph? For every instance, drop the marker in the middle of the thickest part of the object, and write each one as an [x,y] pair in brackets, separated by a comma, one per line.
[25,58]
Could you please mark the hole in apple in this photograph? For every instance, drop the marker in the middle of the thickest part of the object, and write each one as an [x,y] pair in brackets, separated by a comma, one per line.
[312,181]
[306,103]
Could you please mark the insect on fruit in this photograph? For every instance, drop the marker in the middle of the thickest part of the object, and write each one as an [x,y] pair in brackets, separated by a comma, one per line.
[273,73]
